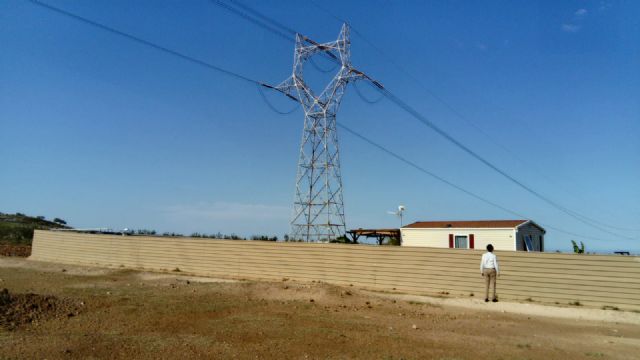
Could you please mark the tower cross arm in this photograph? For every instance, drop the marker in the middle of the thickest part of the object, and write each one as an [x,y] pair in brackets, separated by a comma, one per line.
[287,87]
[359,75]
[307,51]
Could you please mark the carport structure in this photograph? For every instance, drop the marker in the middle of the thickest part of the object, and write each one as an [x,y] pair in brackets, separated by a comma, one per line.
[379,234]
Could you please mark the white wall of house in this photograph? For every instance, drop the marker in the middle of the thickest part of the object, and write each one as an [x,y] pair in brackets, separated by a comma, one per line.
[500,238]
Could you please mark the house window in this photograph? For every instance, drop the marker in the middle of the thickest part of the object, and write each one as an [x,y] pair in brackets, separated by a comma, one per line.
[461,242]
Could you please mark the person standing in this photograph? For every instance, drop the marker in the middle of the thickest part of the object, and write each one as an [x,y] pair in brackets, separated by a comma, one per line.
[490,270]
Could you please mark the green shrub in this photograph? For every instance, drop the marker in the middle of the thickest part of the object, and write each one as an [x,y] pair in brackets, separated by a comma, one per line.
[576,249]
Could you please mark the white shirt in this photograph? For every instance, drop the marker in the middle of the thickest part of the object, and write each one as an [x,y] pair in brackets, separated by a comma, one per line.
[489,261]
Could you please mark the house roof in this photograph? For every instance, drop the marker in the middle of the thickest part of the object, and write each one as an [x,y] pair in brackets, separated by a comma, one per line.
[474,224]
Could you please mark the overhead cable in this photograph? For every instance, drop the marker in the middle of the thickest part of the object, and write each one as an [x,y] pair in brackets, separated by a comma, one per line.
[161,48]
[271,106]
[451,184]
[264,17]
[143,42]
[249,18]
[383,91]
[272,26]
[410,110]
[327,70]
[364,98]
[457,113]
[425,121]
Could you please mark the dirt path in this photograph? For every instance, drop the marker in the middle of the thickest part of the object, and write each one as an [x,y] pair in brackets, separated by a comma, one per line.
[127,314]
[529,309]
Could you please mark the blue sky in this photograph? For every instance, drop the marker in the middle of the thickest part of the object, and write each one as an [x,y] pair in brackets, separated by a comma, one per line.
[104,132]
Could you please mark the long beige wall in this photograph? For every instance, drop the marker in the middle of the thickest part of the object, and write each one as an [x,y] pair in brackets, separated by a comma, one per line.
[593,280]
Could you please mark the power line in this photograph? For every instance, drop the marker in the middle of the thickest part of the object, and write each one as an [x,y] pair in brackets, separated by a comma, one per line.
[457,113]
[253,20]
[364,98]
[607,225]
[166,50]
[144,42]
[276,27]
[449,183]
[423,170]
[271,106]
[384,92]
[264,17]
[418,82]
[582,218]
[424,120]
[279,30]
[319,68]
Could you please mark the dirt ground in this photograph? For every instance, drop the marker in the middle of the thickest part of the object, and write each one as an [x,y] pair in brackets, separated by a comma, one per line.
[65,312]
[15,250]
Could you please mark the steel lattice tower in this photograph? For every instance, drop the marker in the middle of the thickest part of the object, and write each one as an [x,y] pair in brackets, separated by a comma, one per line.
[318,210]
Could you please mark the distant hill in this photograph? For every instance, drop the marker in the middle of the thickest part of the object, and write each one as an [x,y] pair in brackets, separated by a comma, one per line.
[18,228]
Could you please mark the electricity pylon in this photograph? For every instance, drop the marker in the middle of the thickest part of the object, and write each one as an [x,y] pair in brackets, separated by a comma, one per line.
[318,210]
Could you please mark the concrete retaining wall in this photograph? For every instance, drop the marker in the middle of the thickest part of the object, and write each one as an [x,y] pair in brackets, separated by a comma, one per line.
[593,280]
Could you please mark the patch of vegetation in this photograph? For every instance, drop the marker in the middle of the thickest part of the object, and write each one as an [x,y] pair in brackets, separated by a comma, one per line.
[172,234]
[524,346]
[144,232]
[342,240]
[609,307]
[595,354]
[577,249]
[213,236]
[17,229]
[394,241]
[264,238]
[575,303]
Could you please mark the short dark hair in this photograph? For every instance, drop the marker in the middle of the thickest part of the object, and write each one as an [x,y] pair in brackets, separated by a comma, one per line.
[489,248]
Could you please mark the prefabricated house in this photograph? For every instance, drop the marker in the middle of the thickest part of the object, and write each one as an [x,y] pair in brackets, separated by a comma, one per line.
[513,235]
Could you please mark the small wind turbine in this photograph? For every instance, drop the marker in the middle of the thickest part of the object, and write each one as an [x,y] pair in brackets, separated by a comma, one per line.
[398,213]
